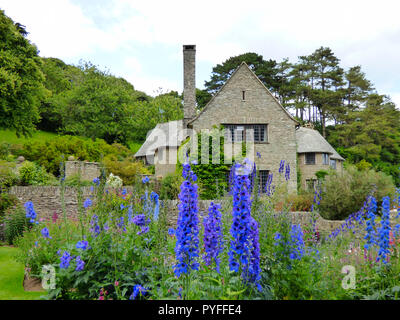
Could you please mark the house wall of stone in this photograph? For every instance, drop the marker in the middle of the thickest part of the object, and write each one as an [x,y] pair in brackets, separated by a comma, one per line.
[87,170]
[165,160]
[259,107]
[308,170]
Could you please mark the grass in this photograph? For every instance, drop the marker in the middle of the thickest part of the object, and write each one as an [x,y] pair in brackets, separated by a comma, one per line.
[12,277]
[9,136]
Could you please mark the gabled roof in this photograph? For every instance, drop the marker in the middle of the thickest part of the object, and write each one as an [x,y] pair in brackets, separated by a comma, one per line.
[310,140]
[243,64]
[167,134]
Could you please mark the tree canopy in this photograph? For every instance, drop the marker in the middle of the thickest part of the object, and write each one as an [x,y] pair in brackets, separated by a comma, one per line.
[21,79]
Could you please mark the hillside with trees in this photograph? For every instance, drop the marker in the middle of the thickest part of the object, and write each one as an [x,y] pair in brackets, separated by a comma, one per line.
[50,95]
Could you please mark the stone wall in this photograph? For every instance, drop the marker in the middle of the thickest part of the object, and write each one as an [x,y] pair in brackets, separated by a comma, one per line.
[47,200]
[87,170]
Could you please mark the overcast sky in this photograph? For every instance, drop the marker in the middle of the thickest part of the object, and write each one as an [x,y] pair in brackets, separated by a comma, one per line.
[141,40]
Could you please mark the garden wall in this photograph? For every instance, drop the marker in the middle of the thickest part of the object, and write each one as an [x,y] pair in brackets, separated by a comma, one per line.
[47,200]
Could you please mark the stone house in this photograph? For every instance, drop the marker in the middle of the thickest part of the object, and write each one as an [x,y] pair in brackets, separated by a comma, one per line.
[249,113]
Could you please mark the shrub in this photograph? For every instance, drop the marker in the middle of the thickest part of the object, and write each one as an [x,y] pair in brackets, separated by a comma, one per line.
[170,186]
[76,181]
[345,193]
[6,201]
[15,223]
[127,169]
[114,181]
[50,153]
[8,175]
[32,174]
[301,202]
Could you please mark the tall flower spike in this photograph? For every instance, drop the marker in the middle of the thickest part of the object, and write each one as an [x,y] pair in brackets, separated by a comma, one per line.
[213,238]
[370,223]
[384,231]
[187,231]
[243,247]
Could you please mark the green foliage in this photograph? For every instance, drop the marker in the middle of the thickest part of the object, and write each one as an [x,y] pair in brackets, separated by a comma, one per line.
[212,178]
[344,194]
[50,153]
[170,186]
[202,98]
[75,180]
[371,134]
[6,201]
[267,71]
[321,174]
[8,175]
[21,80]
[15,223]
[33,174]
[363,165]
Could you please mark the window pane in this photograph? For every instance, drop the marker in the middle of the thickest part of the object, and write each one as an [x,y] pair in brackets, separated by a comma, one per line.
[310,158]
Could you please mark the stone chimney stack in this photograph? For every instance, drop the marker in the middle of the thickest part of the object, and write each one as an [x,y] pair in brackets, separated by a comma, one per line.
[189,83]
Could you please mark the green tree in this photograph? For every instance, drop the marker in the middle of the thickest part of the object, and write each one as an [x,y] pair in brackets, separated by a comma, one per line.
[266,71]
[21,80]
[371,134]
[327,80]
[202,98]
[99,105]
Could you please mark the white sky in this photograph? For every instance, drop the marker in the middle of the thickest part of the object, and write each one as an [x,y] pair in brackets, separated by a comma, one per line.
[141,40]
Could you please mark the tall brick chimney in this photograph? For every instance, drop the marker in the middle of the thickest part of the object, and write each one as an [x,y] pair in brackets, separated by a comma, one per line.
[189,83]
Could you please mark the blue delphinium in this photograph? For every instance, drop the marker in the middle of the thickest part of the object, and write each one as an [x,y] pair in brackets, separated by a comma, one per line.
[155,198]
[370,223]
[137,290]
[268,185]
[140,220]
[80,264]
[96,181]
[281,166]
[145,180]
[384,231]
[171,232]
[253,272]
[45,233]
[87,203]
[287,172]
[95,225]
[30,212]
[244,246]
[297,242]
[121,223]
[213,238]
[239,250]
[83,245]
[187,231]
[65,260]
